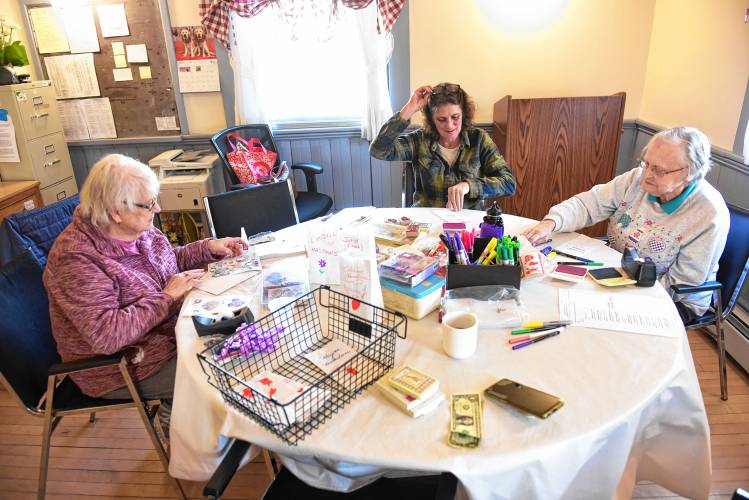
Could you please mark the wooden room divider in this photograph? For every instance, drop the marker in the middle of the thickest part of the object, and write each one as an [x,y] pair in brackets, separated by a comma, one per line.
[556,148]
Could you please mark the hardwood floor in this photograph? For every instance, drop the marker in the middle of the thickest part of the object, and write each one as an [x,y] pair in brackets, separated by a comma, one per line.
[113,458]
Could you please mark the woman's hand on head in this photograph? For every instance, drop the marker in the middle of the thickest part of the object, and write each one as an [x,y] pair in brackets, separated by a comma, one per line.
[455,195]
[181,283]
[227,247]
[540,232]
[418,100]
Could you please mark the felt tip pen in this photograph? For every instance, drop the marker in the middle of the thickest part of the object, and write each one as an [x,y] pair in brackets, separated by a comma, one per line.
[487,250]
[550,326]
[515,340]
[539,243]
[572,263]
[573,256]
[541,324]
[537,339]
[461,250]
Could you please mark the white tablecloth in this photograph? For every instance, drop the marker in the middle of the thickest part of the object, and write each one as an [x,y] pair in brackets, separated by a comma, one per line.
[633,410]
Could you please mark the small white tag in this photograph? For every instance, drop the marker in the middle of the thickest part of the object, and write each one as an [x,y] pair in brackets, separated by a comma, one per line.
[29,205]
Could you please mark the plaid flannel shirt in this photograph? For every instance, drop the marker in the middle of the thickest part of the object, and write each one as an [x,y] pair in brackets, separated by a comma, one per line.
[479,164]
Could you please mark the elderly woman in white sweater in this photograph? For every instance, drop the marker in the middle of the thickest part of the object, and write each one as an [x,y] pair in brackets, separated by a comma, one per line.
[664,208]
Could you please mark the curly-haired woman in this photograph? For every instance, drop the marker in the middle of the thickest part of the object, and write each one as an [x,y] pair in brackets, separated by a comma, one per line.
[455,164]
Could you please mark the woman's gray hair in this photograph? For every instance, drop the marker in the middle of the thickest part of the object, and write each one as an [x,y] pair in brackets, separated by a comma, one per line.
[696,149]
[115,181]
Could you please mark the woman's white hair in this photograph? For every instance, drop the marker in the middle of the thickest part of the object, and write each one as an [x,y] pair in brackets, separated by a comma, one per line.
[696,149]
[114,182]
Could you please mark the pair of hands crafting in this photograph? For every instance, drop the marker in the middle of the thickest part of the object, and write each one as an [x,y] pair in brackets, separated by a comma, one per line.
[181,283]
[418,100]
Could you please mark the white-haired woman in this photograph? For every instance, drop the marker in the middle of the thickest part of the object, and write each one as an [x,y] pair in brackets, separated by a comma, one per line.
[664,208]
[116,284]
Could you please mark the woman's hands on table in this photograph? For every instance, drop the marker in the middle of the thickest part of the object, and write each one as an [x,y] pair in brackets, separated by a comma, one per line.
[455,195]
[227,247]
[540,232]
[181,283]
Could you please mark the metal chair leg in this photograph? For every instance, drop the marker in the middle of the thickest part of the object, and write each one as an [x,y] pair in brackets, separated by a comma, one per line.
[721,347]
[140,406]
[46,438]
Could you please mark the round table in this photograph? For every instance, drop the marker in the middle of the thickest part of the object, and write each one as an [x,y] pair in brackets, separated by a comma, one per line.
[633,408]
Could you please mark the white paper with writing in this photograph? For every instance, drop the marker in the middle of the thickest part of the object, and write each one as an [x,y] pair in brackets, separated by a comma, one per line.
[331,356]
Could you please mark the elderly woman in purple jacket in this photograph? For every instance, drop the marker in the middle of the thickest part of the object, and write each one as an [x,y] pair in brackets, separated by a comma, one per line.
[116,284]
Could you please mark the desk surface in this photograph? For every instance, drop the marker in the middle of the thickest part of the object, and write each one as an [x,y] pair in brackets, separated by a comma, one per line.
[633,410]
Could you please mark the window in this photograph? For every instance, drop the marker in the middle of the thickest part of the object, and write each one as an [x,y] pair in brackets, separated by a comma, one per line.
[316,76]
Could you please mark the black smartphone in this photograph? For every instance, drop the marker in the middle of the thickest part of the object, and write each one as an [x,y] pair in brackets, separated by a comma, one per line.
[527,399]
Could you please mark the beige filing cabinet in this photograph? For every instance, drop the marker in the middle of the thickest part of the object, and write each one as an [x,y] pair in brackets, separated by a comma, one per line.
[41,144]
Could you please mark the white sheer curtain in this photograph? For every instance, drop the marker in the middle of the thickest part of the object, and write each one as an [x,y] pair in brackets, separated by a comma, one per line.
[269,86]
[377,48]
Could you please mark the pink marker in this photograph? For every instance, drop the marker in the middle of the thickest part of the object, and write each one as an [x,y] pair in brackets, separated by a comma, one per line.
[525,338]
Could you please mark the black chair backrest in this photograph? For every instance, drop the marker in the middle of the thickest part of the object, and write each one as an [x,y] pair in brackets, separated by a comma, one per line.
[268,207]
[734,263]
[221,145]
[27,348]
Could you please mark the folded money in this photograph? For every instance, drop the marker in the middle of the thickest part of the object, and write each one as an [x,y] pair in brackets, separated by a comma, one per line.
[465,421]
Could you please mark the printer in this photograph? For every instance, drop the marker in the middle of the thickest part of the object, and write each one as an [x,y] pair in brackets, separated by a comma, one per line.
[186,177]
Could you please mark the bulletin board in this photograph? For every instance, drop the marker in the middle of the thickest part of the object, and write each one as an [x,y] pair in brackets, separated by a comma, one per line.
[136,103]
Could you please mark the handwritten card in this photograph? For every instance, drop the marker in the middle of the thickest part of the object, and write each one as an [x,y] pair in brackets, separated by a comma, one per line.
[359,280]
[331,356]
[326,242]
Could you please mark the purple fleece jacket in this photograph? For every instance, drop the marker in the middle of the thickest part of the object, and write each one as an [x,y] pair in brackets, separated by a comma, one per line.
[103,300]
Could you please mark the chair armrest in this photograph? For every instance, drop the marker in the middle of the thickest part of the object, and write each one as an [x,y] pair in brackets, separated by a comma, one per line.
[85,364]
[447,486]
[310,171]
[705,287]
[226,469]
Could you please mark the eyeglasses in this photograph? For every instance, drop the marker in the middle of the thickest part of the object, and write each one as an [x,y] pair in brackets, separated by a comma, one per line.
[657,171]
[147,206]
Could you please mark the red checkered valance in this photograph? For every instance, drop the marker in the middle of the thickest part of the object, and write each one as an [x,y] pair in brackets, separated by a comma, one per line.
[214,14]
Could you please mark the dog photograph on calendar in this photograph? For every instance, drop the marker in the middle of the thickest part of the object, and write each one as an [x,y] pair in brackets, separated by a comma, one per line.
[193,42]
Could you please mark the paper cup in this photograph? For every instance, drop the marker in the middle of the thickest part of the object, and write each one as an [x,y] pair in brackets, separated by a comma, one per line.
[459,334]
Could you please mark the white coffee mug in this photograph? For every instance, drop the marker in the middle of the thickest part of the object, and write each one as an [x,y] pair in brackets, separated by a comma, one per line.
[459,334]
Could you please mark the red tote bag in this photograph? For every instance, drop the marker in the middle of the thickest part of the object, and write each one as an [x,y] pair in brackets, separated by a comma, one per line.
[250,160]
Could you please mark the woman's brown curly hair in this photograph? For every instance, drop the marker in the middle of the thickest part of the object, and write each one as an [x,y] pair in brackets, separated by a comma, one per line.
[460,97]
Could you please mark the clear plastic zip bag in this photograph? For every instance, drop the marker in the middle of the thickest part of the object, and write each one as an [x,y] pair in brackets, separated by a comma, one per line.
[495,306]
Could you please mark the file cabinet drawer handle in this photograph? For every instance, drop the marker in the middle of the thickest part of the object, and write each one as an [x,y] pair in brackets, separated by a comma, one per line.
[39,115]
[51,163]
[37,100]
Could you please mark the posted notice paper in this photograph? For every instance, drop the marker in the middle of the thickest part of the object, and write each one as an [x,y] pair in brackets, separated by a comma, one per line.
[8,147]
[49,30]
[73,76]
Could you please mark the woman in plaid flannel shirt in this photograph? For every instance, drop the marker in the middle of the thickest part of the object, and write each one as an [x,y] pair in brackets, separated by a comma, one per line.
[455,164]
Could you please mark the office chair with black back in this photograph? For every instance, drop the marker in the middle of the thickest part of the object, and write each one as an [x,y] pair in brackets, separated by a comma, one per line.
[268,207]
[732,270]
[286,485]
[310,204]
[31,370]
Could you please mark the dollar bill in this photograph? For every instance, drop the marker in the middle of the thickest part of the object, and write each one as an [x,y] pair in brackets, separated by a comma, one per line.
[465,421]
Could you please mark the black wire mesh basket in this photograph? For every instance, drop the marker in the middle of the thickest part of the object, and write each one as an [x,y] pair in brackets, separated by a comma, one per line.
[299,328]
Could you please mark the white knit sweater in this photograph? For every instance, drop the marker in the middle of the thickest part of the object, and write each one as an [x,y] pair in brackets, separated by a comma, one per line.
[685,244]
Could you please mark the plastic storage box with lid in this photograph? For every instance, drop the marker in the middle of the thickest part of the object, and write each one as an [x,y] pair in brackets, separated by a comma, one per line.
[413,301]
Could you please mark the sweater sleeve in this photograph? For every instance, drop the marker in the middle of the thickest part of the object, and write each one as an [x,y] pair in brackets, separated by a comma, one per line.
[593,206]
[390,145]
[90,299]
[496,178]
[193,255]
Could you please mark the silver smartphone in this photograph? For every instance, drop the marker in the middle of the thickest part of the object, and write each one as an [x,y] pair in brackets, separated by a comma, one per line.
[527,399]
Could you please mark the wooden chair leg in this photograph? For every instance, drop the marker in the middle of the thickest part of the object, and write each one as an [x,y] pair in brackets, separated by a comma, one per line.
[269,467]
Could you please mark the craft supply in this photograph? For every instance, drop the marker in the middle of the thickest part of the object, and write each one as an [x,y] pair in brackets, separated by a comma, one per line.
[413,301]
[542,324]
[572,263]
[532,264]
[537,339]
[582,259]
[487,250]
[409,268]
[569,273]
[413,382]
[529,336]
[408,404]
[539,243]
